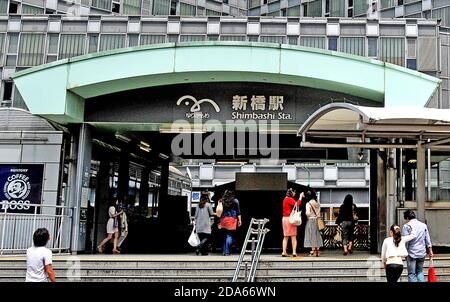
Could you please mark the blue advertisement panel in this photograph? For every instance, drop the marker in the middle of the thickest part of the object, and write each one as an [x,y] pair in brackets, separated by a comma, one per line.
[20,186]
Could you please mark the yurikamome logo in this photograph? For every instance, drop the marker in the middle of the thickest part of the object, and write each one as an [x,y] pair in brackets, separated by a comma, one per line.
[195,110]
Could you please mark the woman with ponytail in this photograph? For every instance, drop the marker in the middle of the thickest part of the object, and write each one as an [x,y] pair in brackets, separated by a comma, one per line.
[393,250]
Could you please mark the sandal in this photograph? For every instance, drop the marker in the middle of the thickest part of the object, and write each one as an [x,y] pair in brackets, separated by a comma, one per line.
[116,252]
[311,253]
[99,249]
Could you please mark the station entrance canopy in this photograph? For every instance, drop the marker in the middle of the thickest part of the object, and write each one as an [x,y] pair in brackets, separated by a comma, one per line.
[61,91]
[383,128]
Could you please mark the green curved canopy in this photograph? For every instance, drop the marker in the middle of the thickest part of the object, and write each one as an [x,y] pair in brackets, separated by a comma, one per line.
[58,90]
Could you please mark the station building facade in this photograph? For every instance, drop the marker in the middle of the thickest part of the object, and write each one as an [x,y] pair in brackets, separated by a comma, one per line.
[418,42]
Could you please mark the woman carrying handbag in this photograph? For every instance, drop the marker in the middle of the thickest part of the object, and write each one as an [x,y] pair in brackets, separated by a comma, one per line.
[289,229]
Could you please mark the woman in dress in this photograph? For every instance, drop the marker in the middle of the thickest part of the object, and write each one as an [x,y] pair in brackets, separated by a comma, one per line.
[112,227]
[313,237]
[289,230]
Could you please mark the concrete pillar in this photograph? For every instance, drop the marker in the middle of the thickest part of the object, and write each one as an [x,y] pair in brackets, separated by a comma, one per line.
[80,186]
[373,202]
[420,190]
[391,189]
[144,189]
[381,200]
[102,198]
[409,154]
[164,190]
[124,175]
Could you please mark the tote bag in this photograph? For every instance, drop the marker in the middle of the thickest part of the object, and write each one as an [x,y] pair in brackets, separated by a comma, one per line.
[320,223]
[296,216]
[193,239]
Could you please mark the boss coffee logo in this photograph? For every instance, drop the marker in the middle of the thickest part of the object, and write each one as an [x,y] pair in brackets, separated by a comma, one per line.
[22,185]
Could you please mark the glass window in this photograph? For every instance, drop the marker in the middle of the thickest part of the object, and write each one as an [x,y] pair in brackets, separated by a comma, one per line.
[360,7]
[254,3]
[411,48]
[212,13]
[3,6]
[353,45]
[387,3]
[27,9]
[443,14]
[232,38]
[108,42]
[192,38]
[314,9]
[52,47]
[186,9]
[133,40]
[272,39]
[293,11]
[152,39]
[132,7]
[2,42]
[103,4]
[337,8]
[31,50]
[332,43]
[93,44]
[313,41]
[161,7]
[372,47]
[13,42]
[411,64]
[392,50]
[293,40]
[71,46]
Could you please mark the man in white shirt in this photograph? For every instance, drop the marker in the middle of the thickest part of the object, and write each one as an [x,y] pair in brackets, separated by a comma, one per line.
[39,258]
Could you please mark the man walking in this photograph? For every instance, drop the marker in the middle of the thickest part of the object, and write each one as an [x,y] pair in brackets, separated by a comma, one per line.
[417,248]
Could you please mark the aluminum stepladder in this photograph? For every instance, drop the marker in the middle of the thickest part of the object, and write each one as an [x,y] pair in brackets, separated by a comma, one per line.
[251,250]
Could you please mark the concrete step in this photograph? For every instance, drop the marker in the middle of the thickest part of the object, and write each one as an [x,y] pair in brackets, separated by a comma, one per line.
[217,278]
[212,269]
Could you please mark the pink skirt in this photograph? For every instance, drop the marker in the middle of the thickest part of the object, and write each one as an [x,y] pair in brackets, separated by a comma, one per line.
[289,229]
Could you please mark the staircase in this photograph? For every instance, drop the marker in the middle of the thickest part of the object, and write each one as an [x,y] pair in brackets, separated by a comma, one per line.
[185,268]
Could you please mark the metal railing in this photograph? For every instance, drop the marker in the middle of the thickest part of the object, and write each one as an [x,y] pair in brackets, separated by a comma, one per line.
[16,229]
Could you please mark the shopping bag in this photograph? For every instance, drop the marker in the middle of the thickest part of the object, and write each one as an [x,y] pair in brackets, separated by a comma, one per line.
[432,272]
[296,216]
[193,239]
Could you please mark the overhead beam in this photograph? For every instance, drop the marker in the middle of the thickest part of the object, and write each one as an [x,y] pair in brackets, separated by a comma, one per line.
[438,142]
[355,145]
[416,128]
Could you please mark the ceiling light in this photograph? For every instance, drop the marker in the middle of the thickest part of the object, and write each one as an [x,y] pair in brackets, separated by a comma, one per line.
[122,137]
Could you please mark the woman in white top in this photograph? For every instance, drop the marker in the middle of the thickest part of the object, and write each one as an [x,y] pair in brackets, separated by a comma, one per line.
[393,250]
[112,228]
[313,238]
